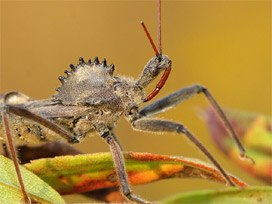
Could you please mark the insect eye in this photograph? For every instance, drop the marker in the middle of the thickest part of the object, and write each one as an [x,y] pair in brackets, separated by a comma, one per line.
[154,70]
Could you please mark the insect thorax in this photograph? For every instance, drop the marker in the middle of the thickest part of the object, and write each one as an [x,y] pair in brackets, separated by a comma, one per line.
[93,84]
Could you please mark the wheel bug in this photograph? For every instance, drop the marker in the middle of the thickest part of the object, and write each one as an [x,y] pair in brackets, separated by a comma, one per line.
[89,108]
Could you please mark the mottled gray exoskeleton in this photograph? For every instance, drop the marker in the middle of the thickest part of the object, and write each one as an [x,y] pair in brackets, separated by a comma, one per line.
[92,99]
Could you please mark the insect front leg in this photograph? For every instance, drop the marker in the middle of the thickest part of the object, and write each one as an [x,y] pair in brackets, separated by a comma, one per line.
[119,163]
[176,98]
[155,125]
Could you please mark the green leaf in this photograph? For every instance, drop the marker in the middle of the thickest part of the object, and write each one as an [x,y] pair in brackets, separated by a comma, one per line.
[255,133]
[249,195]
[81,173]
[37,189]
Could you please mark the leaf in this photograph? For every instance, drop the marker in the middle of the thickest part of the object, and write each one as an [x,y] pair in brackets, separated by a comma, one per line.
[255,134]
[252,195]
[61,148]
[82,173]
[37,189]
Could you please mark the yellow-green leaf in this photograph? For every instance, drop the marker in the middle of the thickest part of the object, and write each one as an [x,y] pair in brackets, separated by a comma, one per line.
[249,195]
[81,173]
[37,189]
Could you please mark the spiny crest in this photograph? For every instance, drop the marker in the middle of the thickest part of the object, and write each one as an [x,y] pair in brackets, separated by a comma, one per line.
[82,78]
[87,65]
[103,66]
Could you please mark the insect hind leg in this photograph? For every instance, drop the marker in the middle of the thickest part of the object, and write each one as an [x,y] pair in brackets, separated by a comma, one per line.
[10,106]
[12,97]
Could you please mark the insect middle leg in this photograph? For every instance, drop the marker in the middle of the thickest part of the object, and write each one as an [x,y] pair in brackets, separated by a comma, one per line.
[155,125]
[176,98]
[119,162]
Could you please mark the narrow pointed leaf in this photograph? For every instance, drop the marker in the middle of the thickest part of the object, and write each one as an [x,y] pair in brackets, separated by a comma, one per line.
[37,189]
[249,195]
[255,134]
[81,173]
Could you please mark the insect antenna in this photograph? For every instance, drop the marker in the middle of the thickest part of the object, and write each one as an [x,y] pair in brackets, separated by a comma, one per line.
[159,22]
[150,39]
[158,54]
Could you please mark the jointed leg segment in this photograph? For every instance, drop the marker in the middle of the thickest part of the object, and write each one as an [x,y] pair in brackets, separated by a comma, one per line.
[11,148]
[14,157]
[17,110]
[155,125]
[119,162]
[176,98]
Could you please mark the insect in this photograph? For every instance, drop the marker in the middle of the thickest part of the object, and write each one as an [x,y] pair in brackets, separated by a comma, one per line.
[92,99]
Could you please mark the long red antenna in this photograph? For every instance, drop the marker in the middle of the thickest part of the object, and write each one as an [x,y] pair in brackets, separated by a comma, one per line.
[159,55]
[159,21]
[150,39]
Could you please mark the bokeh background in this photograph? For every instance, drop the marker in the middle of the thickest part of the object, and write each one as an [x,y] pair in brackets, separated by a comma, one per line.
[223,45]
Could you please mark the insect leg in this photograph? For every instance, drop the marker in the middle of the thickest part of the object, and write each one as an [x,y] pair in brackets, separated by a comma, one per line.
[176,98]
[19,111]
[13,155]
[119,163]
[155,125]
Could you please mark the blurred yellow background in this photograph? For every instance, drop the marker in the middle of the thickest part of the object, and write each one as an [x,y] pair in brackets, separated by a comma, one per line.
[223,45]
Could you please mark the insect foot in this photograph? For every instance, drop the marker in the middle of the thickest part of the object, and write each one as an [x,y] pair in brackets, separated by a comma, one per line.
[136,199]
